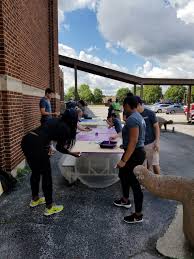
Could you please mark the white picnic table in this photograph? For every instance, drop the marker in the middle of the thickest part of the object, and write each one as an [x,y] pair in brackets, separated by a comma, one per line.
[93,147]
[95,122]
[96,166]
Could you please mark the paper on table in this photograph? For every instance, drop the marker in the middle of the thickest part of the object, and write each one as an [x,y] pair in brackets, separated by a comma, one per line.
[92,147]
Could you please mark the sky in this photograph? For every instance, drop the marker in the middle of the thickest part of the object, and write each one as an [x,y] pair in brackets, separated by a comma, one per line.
[148,38]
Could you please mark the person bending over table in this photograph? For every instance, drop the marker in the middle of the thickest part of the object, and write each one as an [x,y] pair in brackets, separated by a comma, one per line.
[80,115]
[119,133]
[114,121]
[35,146]
[83,106]
[133,134]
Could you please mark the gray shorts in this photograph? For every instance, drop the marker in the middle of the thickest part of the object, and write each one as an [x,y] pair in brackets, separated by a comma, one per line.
[152,156]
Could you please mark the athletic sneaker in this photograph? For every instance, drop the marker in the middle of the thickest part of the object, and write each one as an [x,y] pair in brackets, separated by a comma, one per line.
[40,201]
[53,210]
[122,203]
[133,218]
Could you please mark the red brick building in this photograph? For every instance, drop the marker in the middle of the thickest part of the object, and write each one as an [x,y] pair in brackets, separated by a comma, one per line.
[28,65]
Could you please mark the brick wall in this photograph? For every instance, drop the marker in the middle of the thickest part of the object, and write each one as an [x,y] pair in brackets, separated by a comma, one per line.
[13,128]
[29,42]
[2,63]
[29,53]
[18,115]
[2,157]
[53,46]
[61,85]
[31,112]
[25,31]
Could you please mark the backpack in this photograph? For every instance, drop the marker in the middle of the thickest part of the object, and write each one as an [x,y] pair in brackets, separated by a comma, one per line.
[8,182]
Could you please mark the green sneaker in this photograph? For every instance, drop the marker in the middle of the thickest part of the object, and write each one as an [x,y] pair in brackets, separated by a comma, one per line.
[40,201]
[53,210]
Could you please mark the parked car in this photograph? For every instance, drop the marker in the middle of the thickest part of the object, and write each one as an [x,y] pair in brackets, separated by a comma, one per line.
[158,108]
[174,108]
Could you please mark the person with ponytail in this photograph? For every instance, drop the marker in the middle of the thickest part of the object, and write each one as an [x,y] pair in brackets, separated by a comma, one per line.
[35,146]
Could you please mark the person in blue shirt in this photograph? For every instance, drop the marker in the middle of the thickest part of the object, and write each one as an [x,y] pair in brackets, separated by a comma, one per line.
[46,112]
[45,106]
[133,135]
[152,136]
[114,121]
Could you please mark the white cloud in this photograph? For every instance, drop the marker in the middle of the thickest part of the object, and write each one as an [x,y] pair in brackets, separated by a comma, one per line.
[61,18]
[91,49]
[161,32]
[108,86]
[179,66]
[61,21]
[178,4]
[65,6]
[71,5]
[66,27]
[67,51]
[150,30]
[187,13]
[110,47]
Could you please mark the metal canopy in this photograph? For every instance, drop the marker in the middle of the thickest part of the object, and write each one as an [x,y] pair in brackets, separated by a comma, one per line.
[119,76]
[97,70]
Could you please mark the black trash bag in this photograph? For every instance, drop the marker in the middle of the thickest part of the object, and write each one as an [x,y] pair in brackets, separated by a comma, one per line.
[8,182]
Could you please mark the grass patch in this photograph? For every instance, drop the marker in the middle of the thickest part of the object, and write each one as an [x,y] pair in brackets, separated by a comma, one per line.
[22,172]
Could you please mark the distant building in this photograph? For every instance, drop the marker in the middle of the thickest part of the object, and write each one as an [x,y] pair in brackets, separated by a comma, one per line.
[106,98]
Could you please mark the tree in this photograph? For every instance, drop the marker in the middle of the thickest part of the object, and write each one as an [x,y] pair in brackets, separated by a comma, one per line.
[186,95]
[138,90]
[152,93]
[70,93]
[192,93]
[98,95]
[175,93]
[122,93]
[85,93]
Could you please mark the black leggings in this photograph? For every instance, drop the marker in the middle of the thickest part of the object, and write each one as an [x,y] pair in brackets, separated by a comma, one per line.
[39,162]
[128,179]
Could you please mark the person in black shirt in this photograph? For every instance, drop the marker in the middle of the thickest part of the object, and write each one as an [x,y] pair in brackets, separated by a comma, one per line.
[35,146]
[152,137]
[110,107]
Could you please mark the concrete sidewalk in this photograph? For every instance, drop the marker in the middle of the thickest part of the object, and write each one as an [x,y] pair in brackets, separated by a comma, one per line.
[90,227]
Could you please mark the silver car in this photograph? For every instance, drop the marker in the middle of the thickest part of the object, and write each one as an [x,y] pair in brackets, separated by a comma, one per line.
[174,108]
[158,108]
